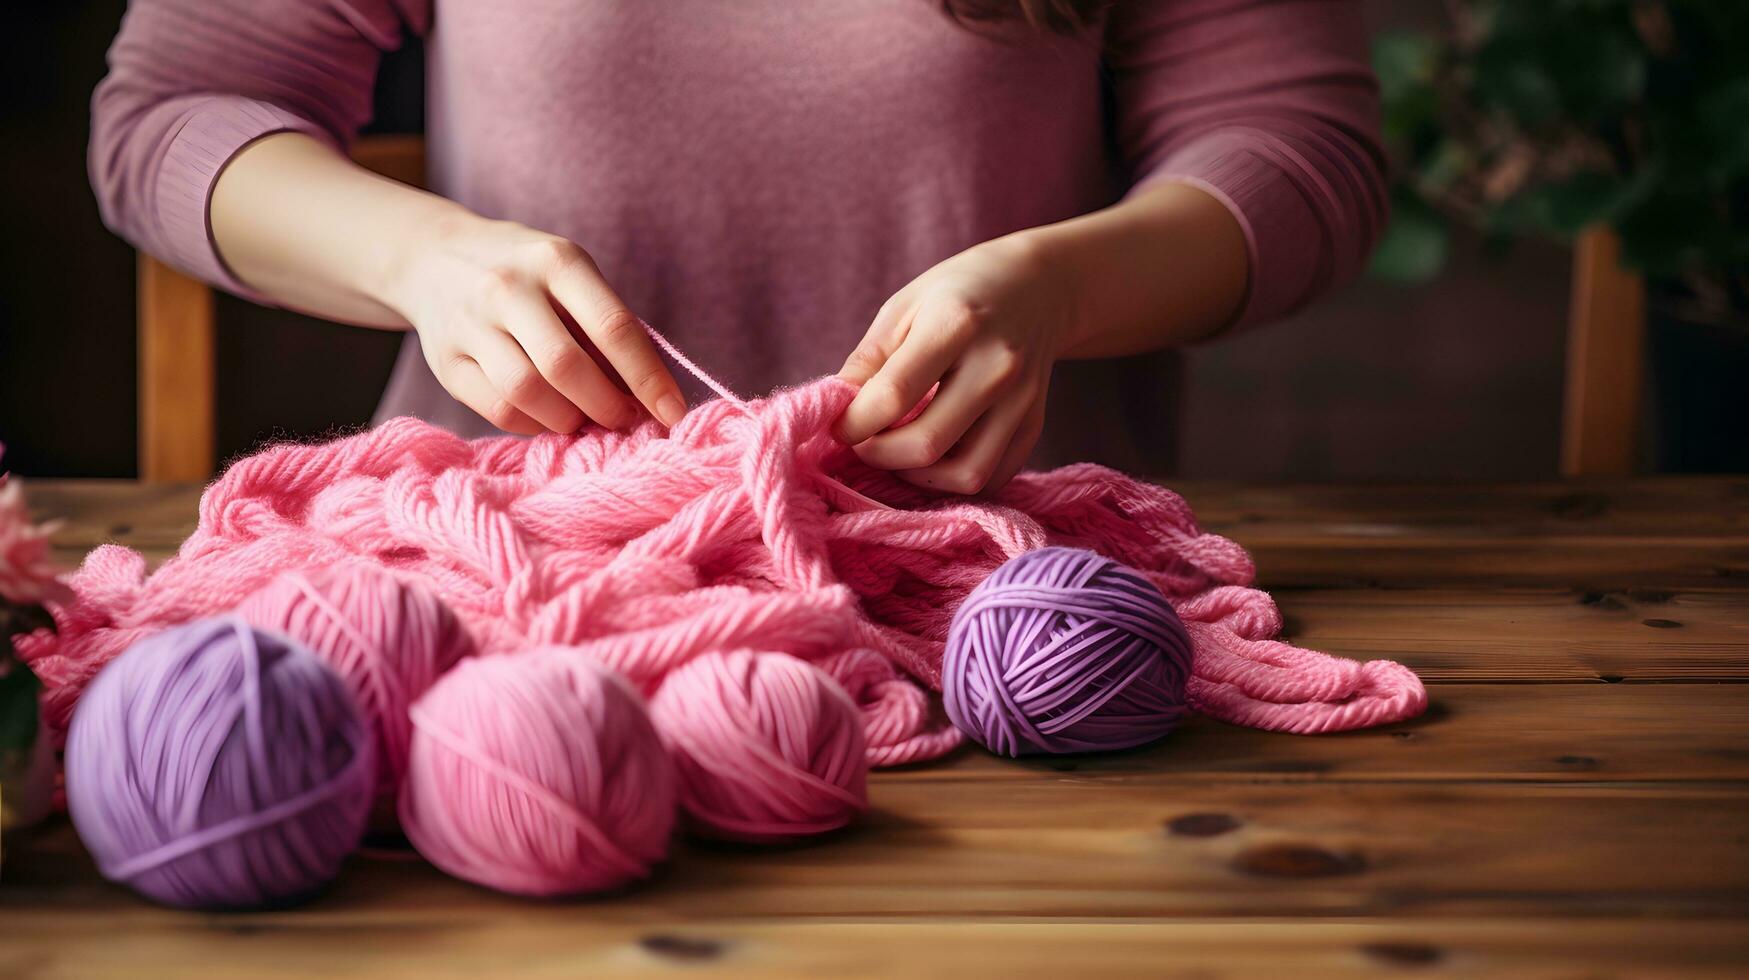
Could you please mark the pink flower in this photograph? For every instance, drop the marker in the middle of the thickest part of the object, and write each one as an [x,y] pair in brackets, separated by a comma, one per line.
[26,576]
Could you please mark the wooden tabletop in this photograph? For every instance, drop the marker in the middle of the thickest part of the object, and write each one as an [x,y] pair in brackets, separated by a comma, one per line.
[1574,802]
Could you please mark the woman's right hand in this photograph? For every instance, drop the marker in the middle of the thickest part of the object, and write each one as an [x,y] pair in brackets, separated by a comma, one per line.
[520,326]
[517,324]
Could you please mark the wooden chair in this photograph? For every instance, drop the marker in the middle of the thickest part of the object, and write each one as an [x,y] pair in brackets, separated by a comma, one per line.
[1606,361]
[1600,412]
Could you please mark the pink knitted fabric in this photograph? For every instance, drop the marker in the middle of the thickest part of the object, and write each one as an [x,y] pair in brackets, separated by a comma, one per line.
[746,527]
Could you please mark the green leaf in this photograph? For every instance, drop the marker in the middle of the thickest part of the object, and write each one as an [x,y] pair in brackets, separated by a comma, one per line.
[1448,161]
[1724,117]
[1600,68]
[1403,61]
[1510,77]
[1584,65]
[1514,217]
[1404,64]
[1589,199]
[1415,244]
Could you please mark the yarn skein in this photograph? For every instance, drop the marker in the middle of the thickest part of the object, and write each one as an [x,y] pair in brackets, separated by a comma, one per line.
[537,774]
[1063,650]
[768,747]
[218,766]
[389,640]
[745,526]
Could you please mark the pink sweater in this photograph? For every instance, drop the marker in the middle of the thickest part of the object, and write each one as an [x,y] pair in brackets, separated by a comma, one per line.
[755,177]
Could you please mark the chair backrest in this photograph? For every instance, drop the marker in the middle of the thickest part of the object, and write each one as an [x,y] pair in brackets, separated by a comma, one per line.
[176,341]
[1600,403]
[1606,361]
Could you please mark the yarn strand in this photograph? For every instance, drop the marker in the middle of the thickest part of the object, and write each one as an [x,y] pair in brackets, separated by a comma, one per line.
[681,359]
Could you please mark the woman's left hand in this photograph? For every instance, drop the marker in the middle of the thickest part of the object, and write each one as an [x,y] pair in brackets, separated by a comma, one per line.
[986,324]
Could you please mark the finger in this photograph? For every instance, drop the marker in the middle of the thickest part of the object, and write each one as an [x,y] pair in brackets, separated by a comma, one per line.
[973,386]
[1019,448]
[464,380]
[519,382]
[563,362]
[883,337]
[975,460]
[922,357]
[618,334]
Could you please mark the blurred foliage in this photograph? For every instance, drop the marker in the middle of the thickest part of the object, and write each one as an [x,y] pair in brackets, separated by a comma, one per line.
[1543,117]
[18,685]
[24,779]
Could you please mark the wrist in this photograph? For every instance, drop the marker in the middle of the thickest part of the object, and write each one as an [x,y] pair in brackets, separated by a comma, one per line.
[398,279]
[1164,267]
[1049,258]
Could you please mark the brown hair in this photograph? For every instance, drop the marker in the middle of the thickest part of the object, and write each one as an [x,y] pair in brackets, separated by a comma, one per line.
[1055,16]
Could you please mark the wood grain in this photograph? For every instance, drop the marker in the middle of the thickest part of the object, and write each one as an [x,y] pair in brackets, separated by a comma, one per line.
[1665,506]
[177,345]
[1519,635]
[1575,801]
[1591,563]
[1588,534]
[150,517]
[1638,733]
[1123,848]
[549,942]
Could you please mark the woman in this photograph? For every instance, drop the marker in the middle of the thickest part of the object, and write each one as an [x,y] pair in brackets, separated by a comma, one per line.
[1031,202]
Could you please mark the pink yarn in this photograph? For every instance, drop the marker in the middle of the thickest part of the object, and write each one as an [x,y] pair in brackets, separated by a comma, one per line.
[538,774]
[389,640]
[746,526]
[768,747]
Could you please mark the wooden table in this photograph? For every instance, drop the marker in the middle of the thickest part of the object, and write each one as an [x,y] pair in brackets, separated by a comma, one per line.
[1575,802]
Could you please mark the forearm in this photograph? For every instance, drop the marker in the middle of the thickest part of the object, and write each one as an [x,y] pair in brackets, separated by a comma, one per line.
[1164,267]
[308,228]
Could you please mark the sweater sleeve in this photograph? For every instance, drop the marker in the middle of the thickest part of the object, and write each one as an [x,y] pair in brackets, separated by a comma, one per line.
[192,82]
[1270,106]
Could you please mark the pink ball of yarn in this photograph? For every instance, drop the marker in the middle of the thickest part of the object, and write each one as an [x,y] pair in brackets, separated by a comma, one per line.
[768,747]
[537,774]
[390,640]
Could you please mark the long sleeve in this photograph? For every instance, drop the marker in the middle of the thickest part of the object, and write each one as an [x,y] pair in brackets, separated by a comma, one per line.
[192,82]
[1271,106]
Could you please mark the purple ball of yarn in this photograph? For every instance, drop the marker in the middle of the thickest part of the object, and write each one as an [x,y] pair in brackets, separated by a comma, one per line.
[214,765]
[1064,650]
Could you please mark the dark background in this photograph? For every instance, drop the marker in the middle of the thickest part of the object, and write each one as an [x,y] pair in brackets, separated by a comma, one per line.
[1460,379]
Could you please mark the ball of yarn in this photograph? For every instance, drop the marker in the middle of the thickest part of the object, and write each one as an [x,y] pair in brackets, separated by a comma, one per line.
[1063,650]
[746,526]
[768,747]
[390,640]
[538,774]
[213,765]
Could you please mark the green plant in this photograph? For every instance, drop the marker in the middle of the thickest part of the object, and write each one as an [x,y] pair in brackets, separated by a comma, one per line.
[21,763]
[1545,117]
[27,580]
[18,686]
